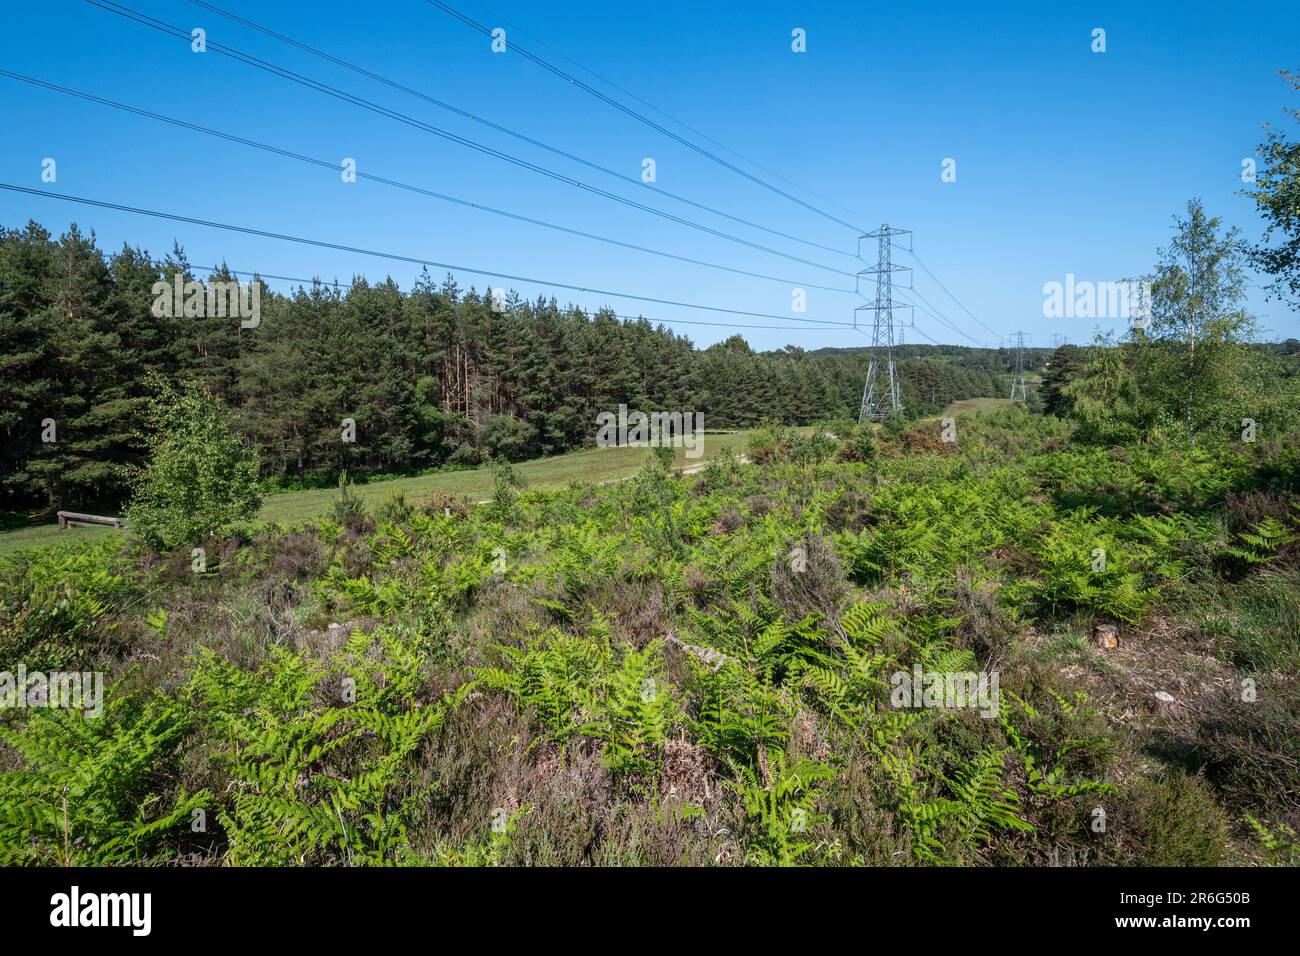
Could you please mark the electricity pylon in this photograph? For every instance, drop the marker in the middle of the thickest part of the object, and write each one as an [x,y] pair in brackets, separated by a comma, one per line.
[881,399]
[1018,383]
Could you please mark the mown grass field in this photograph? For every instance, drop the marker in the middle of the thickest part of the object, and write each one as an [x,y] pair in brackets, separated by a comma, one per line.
[974,406]
[592,465]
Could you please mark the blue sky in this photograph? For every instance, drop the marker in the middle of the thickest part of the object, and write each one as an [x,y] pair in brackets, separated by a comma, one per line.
[1068,161]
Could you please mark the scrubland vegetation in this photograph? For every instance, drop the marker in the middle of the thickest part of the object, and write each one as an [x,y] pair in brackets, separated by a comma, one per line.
[693,670]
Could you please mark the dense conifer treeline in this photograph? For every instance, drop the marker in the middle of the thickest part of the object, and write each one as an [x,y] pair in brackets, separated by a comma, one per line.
[432,376]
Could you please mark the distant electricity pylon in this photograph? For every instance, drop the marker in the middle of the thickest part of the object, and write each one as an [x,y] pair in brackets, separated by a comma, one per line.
[1018,383]
[1058,340]
[881,399]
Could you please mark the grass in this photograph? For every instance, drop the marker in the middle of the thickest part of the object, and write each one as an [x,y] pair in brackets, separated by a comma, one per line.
[590,465]
[47,534]
[975,406]
[971,406]
[1257,619]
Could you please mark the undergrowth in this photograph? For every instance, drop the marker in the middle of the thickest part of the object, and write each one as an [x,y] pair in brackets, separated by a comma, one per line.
[680,670]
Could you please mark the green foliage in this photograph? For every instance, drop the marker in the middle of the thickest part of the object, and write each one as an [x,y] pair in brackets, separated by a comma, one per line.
[1256,618]
[1106,399]
[321,759]
[1172,820]
[779,811]
[859,444]
[1192,357]
[1048,749]
[444,379]
[200,477]
[978,804]
[579,686]
[506,486]
[660,678]
[75,337]
[394,510]
[636,713]
[927,529]
[507,438]
[1262,544]
[1277,196]
[1082,567]
[57,605]
[347,508]
[742,719]
[489,852]
[1280,844]
[779,443]
[1187,373]
[92,790]
[1063,367]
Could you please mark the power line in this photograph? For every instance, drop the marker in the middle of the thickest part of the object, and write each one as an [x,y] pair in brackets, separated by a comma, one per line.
[950,295]
[338,61]
[334,167]
[908,303]
[163,263]
[178,32]
[260,64]
[724,325]
[108,258]
[913,327]
[641,117]
[934,310]
[682,123]
[923,335]
[936,315]
[482,29]
[340,247]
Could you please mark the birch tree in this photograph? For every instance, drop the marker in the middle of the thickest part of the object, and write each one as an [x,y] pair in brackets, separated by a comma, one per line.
[1190,356]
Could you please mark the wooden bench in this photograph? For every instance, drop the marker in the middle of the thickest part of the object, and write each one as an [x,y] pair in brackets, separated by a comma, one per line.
[70,519]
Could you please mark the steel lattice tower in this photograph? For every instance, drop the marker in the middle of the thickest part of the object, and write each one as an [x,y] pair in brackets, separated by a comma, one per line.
[1018,383]
[881,399]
